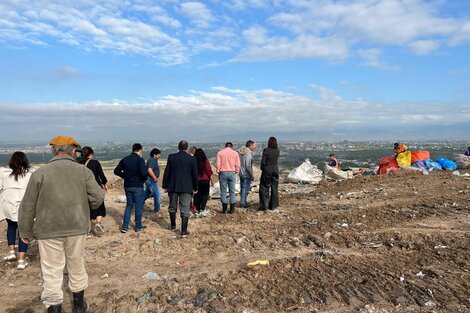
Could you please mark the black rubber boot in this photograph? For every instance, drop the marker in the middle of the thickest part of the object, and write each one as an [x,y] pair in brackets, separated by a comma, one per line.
[79,304]
[232,208]
[55,308]
[184,227]
[173,221]
[224,208]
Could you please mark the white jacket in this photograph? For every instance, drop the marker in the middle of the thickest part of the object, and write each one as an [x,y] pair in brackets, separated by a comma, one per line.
[11,193]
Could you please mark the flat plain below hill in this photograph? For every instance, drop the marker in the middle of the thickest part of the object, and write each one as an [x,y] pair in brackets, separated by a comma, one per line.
[396,243]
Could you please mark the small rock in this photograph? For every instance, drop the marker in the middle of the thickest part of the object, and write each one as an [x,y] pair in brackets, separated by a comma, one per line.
[344,225]
[295,241]
[430,304]
[105,275]
[157,242]
[401,300]
[241,240]
[327,235]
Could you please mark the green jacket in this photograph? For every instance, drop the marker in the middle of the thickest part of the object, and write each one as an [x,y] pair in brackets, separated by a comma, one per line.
[59,196]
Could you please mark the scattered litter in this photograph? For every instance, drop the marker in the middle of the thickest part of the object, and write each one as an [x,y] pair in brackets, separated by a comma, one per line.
[105,275]
[372,245]
[157,242]
[205,213]
[306,173]
[457,173]
[258,262]
[11,285]
[146,296]
[441,247]
[152,276]
[345,225]
[402,278]
[355,194]
[121,199]
[420,274]
[182,262]
[328,235]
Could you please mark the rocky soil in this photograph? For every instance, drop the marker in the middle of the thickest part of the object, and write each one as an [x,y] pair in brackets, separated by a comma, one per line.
[396,243]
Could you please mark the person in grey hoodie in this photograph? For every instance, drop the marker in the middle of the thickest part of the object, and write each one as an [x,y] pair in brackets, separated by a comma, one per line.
[246,171]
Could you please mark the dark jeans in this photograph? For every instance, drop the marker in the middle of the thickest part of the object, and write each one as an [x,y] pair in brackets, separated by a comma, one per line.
[135,198]
[268,195]
[202,195]
[181,198]
[11,236]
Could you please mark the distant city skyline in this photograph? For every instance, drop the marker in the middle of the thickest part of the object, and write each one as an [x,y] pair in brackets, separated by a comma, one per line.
[144,70]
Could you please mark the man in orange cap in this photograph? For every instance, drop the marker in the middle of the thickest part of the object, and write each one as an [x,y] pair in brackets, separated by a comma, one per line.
[57,202]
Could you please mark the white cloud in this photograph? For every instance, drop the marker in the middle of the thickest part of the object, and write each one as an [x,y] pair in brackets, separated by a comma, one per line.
[423,47]
[198,13]
[68,71]
[224,110]
[302,47]
[372,59]
[241,30]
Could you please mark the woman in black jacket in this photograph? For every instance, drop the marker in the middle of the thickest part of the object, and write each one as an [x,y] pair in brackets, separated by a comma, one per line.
[268,195]
[97,215]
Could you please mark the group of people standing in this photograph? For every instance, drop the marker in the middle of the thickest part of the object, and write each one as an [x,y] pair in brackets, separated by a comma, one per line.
[60,198]
[188,176]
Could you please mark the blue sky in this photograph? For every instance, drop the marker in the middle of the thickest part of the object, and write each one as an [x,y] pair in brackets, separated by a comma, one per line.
[214,70]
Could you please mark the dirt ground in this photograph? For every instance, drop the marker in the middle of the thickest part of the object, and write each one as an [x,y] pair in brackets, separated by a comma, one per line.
[397,243]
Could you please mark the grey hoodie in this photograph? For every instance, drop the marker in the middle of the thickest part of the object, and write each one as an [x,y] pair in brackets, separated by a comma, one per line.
[246,163]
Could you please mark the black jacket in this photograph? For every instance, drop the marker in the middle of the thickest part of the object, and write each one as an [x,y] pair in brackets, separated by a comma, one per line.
[95,167]
[132,168]
[180,173]
[269,160]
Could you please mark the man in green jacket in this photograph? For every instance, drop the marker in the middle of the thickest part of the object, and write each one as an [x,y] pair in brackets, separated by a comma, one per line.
[57,202]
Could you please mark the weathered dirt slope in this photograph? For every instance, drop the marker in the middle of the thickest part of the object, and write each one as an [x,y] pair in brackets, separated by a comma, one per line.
[397,243]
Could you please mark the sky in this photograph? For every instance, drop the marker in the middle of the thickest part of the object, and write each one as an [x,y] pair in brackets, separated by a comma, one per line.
[231,70]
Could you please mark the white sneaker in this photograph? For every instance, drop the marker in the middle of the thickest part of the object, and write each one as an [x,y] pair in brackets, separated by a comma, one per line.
[11,256]
[22,265]
[98,229]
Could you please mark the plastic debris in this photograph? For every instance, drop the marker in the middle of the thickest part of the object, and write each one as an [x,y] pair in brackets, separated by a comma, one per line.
[105,275]
[420,274]
[441,247]
[152,276]
[258,262]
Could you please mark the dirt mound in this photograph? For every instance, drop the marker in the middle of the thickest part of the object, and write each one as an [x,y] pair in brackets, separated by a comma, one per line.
[396,243]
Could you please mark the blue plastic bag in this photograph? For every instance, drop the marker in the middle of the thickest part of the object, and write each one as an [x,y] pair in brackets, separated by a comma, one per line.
[447,164]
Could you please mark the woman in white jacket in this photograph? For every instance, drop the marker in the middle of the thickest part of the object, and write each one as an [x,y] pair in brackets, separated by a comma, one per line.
[13,182]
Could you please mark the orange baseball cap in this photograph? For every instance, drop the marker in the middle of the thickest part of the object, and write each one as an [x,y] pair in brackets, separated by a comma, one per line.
[64,141]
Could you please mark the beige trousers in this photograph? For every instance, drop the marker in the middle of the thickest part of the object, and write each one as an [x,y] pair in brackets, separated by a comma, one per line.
[55,255]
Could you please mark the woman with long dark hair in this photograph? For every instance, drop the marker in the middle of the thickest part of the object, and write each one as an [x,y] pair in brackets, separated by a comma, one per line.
[204,179]
[13,182]
[268,194]
[96,216]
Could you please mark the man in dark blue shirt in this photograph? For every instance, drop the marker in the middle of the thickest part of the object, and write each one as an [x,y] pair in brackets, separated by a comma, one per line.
[151,184]
[134,172]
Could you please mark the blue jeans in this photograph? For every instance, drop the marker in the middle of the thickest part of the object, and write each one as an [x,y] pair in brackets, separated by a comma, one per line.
[227,179]
[245,184]
[11,236]
[135,198]
[152,190]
